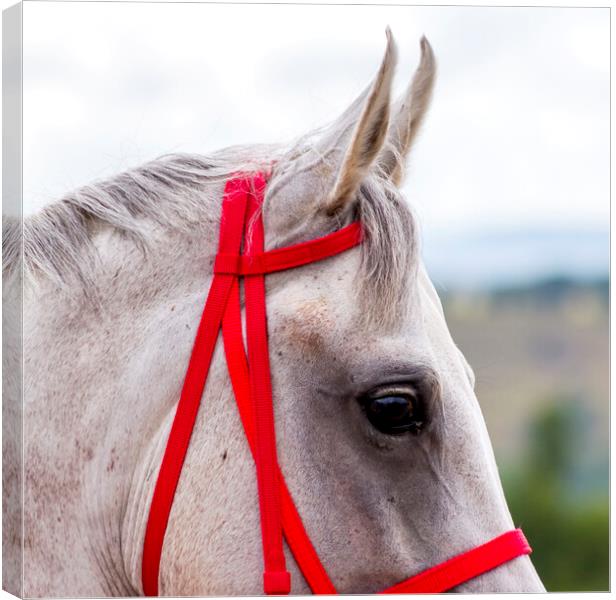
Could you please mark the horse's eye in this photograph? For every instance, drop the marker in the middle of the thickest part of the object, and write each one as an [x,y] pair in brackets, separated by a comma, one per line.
[394,413]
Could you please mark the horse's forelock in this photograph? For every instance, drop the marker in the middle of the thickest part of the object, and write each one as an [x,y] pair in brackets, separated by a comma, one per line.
[389,252]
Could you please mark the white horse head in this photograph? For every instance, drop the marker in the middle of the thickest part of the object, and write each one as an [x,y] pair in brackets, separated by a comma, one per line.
[380,435]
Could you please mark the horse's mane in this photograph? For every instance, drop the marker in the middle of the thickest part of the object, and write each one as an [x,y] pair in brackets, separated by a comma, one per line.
[58,242]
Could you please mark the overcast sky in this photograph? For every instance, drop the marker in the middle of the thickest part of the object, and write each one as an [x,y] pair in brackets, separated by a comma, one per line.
[517,141]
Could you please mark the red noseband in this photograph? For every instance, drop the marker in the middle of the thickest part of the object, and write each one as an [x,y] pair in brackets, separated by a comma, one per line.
[249,372]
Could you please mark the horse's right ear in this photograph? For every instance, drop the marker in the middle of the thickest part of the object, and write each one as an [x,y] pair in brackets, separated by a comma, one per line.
[369,133]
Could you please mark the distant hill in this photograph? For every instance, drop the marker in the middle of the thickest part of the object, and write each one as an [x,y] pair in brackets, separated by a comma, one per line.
[552,291]
[510,258]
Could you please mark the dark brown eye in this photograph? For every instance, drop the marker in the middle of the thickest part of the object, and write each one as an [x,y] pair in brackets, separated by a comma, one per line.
[394,413]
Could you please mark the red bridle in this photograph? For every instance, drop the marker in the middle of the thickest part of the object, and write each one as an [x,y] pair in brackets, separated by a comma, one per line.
[250,378]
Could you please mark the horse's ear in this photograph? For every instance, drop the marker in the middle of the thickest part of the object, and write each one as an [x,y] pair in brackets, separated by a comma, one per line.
[369,133]
[409,115]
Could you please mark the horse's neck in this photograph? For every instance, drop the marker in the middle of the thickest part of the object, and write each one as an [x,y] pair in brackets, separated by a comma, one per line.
[12,434]
[102,379]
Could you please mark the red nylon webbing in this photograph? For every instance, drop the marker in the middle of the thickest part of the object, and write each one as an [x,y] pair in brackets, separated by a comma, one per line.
[276,579]
[250,378]
[463,567]
[305,555]
[290,257]
[275,501]
[194,383]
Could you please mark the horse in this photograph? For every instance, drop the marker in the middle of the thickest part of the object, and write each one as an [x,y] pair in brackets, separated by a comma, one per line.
[380,434]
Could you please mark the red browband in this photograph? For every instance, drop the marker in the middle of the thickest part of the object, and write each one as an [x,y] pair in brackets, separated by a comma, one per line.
[249,372]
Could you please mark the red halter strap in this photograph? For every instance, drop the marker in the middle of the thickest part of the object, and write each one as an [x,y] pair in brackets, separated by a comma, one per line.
[250,378]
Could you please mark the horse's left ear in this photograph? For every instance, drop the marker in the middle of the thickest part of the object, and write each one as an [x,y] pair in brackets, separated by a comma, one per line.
[369,134]
[410,112]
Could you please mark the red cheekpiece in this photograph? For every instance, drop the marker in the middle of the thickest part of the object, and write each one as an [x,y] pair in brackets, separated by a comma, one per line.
[250,377]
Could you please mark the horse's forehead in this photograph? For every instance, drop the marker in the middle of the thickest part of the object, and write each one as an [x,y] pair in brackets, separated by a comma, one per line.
[319,311]
[307,324]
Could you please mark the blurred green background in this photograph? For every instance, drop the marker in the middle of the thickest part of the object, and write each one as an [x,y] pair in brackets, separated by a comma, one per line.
[540,354]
